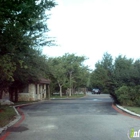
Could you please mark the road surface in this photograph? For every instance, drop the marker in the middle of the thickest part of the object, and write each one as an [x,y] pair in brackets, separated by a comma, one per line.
[88,118]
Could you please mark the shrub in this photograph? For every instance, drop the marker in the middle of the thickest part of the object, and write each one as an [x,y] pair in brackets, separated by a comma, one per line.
[123,95]
[128,95]
[137,101]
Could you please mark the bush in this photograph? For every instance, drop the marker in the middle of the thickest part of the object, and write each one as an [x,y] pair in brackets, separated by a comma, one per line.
[123,95]
[137,101]
[128,95]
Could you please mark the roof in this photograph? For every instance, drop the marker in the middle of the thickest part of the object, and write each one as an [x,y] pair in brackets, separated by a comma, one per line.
[44,81]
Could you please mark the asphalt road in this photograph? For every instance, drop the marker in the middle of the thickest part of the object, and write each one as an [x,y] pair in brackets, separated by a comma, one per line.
[88,118]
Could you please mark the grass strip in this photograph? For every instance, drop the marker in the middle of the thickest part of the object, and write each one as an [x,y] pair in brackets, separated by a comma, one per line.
[133,109]
[7,114]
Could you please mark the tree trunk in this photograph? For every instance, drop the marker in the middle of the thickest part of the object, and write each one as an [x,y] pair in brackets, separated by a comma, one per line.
[11,94]
[70,92]
[48,92]
[16,95]
[60,86]
[85,91]
[1,93]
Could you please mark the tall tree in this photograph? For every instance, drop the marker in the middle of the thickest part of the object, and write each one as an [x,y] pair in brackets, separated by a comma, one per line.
[123,70]
[58,70]
[68,71]
[22,27]
[103,75]
[30,70]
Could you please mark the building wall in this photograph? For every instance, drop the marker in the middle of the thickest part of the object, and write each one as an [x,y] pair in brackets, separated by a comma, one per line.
[26,97]
[32,91]
[35,92]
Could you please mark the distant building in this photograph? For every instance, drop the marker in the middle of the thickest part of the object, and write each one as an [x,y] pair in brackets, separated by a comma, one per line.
[35,91]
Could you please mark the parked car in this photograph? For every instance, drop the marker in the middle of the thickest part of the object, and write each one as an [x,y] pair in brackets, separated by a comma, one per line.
[96,91]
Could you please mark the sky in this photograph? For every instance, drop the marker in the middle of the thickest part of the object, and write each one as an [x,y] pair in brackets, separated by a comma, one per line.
[93,27]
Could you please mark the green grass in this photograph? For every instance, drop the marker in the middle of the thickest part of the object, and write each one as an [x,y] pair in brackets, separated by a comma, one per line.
[7,114]
[65,96]
[133,109]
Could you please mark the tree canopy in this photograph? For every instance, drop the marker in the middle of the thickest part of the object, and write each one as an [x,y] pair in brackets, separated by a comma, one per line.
[23,25]
[120,77]
[68,71]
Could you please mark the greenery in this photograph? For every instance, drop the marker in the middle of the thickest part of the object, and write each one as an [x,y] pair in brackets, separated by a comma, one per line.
[133,109]
[68,73]
[7,114]
[23,31]
[119,77]
[23,27]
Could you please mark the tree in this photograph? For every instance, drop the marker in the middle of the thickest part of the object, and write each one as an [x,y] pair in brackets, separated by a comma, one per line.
[57,69]
[68,71]
[136,72]
[74,66]
[30,70]
[121,78]
[123,71]
[7,67]
[22,27]
[102,76]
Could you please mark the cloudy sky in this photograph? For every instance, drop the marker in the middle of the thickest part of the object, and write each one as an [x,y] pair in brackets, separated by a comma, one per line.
[93,27]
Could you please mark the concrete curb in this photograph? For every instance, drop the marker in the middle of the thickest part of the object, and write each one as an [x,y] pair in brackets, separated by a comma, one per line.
[18,117]
[128,111]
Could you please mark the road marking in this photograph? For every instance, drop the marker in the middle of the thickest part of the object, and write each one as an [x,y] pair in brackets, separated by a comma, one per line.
[50,126]
[94,100]
[97,100]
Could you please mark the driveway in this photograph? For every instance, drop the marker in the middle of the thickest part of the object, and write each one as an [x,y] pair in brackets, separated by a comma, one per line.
[88,118]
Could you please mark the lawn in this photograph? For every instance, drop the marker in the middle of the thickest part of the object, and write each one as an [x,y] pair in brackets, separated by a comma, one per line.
[133,109]
[7,114]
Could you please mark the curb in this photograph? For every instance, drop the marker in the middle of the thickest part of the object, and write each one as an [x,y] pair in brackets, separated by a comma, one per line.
[127,111]
[18,117]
